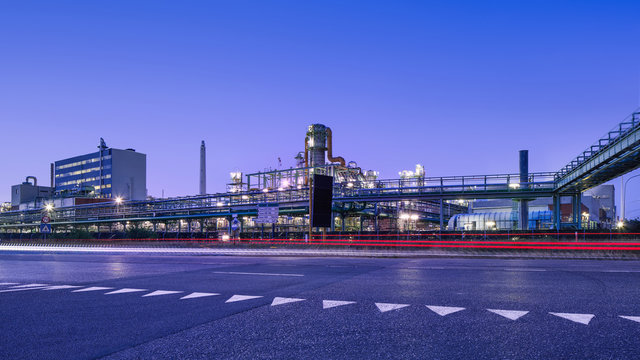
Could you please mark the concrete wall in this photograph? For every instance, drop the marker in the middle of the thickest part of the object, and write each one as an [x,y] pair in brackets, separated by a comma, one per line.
[128,174]
[26,192]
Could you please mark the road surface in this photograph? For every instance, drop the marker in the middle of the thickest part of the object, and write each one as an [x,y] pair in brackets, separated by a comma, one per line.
[77,306]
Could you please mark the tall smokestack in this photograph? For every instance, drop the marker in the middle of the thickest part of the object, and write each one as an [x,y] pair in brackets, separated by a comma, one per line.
[203,169]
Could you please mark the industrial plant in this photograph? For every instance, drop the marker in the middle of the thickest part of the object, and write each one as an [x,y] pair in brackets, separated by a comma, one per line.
[104,193]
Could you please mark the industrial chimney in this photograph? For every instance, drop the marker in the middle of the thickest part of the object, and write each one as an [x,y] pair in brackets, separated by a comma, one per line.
[203,169]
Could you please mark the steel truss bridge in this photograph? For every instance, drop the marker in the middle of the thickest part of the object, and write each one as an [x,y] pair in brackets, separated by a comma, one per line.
[616,153]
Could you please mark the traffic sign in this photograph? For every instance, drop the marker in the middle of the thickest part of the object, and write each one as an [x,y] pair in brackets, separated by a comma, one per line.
[267,214]
[45,228]
[45,219]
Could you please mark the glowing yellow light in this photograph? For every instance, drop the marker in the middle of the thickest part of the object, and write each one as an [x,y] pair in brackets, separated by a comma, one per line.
[225,237]
[620,224]
[514,185]
[265,190]
[415,217]
[405,216]
[118,200]
[48,207]
[245,197]
[491,224]
[219,203]
[350,185]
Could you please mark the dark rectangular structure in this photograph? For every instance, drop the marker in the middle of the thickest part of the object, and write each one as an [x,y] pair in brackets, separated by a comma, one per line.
[322,198]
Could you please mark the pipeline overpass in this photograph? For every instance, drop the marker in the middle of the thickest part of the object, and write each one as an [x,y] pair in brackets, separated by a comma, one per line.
[615,154]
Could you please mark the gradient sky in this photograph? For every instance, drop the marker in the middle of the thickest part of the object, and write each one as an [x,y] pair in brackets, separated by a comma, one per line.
[457,86]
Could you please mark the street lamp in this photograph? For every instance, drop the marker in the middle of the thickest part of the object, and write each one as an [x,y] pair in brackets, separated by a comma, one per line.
[624,195]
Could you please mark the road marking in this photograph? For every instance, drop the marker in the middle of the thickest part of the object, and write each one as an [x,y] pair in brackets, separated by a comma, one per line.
[252,273]
[327,304]
[282,300]
[7,283]
[579,318]
[162,292]
[28,285]
[444,310]
[384,307]
[236,298]
[509,314]
[93,288]
[632,318]
[198,295]
[124,291]
[23,289]
[60,287]
[522,269]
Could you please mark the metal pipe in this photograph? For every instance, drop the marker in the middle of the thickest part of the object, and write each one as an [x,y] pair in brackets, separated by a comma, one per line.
[35,181]
[330,149]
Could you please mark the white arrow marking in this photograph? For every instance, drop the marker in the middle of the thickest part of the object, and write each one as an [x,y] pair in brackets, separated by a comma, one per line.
[60,287]
[579,318]
[6,284]
[28,285]
[282,300]
[509,314]
[632,318]
[93,288]
[197,295]
[162,292]
[235,298]
[444,310]
[125,291]
[326,304]
[384,307]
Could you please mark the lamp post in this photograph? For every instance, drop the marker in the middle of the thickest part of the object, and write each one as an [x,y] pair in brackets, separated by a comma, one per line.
[623,196]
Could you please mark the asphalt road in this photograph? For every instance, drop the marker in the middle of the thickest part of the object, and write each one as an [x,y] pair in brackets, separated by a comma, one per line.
[77,306]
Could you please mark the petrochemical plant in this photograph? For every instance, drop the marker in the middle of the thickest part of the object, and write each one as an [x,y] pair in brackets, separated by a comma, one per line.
[104,193]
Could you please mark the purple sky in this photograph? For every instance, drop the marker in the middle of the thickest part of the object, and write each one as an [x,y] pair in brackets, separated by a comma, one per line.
[457,86]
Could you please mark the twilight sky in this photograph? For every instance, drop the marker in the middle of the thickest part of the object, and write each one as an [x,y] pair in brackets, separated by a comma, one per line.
[457,86]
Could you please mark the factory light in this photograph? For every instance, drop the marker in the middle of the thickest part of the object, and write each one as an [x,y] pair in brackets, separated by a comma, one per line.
[265,190]
[245,197]
[48,207]
[620,224]
[225,237]
[118,200]
[514,185]
[350,185]
[405,216]
[219,203]
[415,217]
[491,224]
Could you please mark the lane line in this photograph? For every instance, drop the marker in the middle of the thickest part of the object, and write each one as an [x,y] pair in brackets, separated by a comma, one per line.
[509,314]
[522,269]
[579,318]
[632,318]
[24,289]
[236,298]
[283,300]
[195,295]
[61,287]
[162,292]
[93,288]
[444,310]
[384,307]
[327,304]
[254,273]
[124,291]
